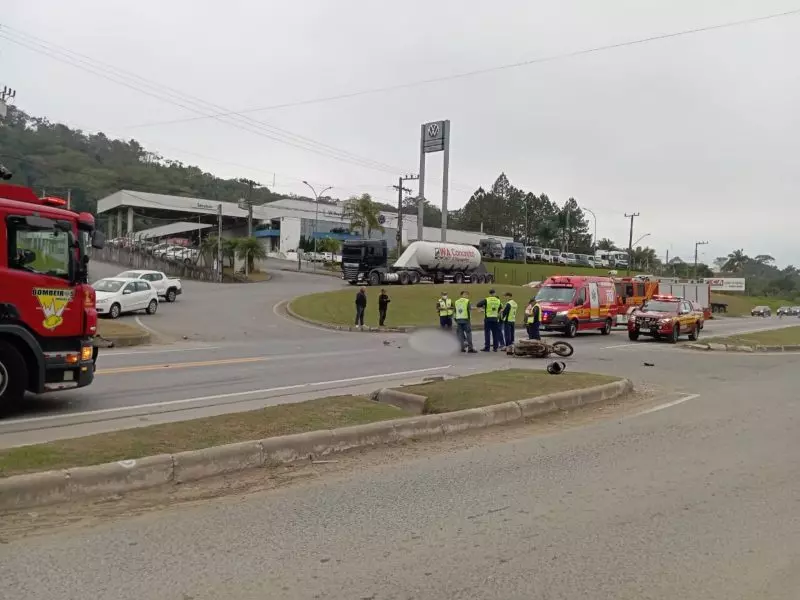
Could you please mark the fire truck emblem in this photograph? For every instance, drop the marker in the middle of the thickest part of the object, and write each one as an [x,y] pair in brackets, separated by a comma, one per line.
[52,302]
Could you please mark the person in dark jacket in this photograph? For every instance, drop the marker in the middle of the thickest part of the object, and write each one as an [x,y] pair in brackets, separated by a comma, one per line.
[383,306]
[361,306]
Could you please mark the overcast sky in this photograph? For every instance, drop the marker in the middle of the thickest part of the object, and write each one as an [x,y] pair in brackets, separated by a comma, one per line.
[699,134]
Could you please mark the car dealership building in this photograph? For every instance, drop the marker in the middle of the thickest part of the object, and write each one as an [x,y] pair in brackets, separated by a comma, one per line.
[279,224]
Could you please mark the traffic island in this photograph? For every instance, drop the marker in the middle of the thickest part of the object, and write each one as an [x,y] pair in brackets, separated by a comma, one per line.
[112,464]
[772,340]
[411,306]
[116,334]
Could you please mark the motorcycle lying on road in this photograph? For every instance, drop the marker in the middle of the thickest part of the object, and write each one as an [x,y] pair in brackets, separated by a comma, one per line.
[539,349]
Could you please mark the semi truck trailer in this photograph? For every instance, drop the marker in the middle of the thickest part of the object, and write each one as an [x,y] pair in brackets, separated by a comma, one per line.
[367,262]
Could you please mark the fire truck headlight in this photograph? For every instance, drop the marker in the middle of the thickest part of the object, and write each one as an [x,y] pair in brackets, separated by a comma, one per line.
[562,313]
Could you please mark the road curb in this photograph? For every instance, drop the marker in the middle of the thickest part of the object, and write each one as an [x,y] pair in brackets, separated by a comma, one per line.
[122,341]
[714,347]
[352,328]
[114,479]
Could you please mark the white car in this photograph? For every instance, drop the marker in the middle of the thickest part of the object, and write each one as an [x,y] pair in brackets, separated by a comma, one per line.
[168,288]
[118,295]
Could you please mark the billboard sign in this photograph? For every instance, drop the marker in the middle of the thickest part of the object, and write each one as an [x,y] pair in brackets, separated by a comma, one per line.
[725,284]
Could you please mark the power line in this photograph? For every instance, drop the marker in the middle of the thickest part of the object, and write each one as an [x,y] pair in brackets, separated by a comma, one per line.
[503,67]
[185,101]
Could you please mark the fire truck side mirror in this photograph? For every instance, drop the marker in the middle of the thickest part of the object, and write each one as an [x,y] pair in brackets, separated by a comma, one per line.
[98,239]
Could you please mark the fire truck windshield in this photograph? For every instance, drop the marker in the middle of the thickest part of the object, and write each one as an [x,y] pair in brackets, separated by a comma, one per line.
[555,294]
[44,250]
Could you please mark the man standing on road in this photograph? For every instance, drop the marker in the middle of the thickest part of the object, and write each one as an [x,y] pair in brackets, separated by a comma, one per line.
[361,306]
[491,321]
[445,308]
[383,306]
[533,318]
[464,323]
[509,319]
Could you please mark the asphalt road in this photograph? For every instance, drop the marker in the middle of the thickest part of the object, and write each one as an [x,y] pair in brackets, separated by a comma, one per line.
[695,499]
[244,355]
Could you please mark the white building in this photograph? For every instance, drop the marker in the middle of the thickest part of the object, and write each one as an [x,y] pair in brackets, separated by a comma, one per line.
[281,223]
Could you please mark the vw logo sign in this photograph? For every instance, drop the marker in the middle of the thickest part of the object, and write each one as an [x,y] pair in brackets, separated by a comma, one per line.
[433,130]
[381,219]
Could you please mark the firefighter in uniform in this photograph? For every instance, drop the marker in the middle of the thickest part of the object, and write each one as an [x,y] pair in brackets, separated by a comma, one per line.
[533,319]
[491,321]
[445,308]
[509,319]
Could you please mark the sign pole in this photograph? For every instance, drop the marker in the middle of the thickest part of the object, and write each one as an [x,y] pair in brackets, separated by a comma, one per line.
[421,195]
[445,178]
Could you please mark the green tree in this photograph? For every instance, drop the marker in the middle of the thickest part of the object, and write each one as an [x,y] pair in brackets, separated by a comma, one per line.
[250,249]
[736,261]
[363,214]
[328,245]
[229,248]
[606,244]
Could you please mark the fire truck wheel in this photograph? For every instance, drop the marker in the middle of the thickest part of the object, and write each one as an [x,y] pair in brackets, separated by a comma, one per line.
[676,334]
[13,377]
[115,311]
[695,333]
[572,329]
[607,327]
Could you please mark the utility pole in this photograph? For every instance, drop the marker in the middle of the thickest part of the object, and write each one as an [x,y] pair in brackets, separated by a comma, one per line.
[631,216]
[566,229]
[696,244]
[219,242]
[69,199]
[400,189]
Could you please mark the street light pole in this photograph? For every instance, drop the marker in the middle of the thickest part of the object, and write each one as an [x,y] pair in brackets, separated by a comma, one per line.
[316,217]
[696,244]
[594,218]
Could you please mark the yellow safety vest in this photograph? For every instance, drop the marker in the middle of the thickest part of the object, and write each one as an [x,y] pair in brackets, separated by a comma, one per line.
[512,312]
[531,318]
[493,307]
[445,307]
[462,308]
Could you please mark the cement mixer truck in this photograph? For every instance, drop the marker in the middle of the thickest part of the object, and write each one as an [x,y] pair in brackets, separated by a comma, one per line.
[367,262]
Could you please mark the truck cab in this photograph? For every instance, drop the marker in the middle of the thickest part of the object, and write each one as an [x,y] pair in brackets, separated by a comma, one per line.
[47,308]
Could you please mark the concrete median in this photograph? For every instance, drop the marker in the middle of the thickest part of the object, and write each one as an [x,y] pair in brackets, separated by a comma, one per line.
[114,479]
[217,460]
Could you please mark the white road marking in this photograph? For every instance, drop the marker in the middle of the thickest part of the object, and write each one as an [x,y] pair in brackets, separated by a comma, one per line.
[111,353]
[618,346]
[299,386]
[143,326]
[667,405]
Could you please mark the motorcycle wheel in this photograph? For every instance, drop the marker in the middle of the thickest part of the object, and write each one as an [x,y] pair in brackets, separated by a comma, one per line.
[563,348]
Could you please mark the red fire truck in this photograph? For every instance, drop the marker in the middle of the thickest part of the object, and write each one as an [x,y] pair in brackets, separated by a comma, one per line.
[633,291]
[48,318]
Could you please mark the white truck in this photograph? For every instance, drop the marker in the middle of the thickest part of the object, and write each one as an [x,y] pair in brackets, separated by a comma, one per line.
[168,288]
[366,262]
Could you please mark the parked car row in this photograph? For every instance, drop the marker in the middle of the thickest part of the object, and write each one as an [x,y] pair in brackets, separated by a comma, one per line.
[176,250]
[134,291]
[600,260]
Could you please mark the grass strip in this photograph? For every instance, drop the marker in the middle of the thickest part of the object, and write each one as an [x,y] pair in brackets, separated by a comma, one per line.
[484,389]
[168,438]
[787,336]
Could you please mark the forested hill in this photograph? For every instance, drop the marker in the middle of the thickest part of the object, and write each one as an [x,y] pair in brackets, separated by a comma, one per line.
[55,158]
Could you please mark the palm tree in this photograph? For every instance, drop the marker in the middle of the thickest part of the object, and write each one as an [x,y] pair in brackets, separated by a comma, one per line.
[736,261]
[363,214]
[229,247]
[251,250]
[764,259]
[606,244]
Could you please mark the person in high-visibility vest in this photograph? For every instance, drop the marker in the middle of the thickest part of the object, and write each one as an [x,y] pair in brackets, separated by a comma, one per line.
[444,306]
[509,319]
[533,318]
[464,322]
[492,334]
